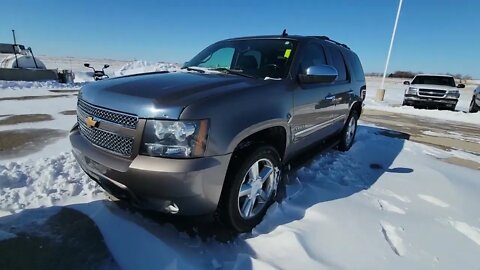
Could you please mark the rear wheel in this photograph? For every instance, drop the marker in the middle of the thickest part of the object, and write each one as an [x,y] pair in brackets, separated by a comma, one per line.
[348,133]
[473,108]
[250,187]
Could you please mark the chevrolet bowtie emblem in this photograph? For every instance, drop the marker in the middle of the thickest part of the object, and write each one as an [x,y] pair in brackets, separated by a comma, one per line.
[91,122]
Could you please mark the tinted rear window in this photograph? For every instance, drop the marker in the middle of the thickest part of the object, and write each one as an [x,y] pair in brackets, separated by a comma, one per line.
[356,67]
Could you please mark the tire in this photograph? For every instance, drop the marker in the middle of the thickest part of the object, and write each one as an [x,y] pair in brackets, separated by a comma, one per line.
[347,136]
[473,108]
[239,175]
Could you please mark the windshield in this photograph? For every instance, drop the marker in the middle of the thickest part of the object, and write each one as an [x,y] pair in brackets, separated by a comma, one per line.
[436,80]
[259,58]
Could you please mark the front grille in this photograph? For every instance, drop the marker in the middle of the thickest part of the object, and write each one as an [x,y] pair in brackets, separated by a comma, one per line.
[107,140]
[431,92]
[126,120]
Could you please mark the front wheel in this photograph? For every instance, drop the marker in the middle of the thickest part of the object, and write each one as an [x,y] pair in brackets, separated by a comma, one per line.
[250,187]
[347,135]
[473,108]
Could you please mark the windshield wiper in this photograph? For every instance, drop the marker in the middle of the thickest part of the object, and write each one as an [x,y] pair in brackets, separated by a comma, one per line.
[238,72]
[194,69]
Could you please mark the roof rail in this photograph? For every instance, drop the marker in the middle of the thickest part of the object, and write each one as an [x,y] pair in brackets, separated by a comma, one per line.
[331,40]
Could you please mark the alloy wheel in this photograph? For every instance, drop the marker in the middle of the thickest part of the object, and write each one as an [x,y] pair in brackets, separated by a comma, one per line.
[351,128]
[258,185]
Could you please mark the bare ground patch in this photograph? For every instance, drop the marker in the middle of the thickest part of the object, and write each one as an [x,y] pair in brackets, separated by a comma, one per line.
[417,129]
[18,143]
[34,97]
[25,118]
[64,91]
[463,162]
[70,112]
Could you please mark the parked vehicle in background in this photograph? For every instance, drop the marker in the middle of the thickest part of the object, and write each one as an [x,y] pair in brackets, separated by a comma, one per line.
[432,91]
[475,103]
[17,63]
[98,74]
[215,137]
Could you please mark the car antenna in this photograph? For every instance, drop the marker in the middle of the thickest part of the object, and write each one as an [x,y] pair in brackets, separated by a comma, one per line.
[284,33]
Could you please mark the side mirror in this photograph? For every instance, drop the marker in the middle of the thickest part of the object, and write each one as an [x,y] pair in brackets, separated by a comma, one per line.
[106,66]
[461,85]
[318,74]
[86,65]
[406,82]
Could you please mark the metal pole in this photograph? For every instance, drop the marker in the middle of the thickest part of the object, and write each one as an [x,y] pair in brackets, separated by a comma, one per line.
[391,43]
[33,56]
[15,47]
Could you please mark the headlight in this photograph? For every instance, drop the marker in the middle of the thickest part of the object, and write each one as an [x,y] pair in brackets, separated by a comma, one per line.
[412,91]
[176,139]
[453,93]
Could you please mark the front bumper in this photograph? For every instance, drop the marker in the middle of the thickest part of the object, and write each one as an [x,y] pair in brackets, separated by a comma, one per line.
[427,101]
[186,186]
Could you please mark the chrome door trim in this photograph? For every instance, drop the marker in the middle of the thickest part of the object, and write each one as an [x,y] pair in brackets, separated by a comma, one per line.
[320,126]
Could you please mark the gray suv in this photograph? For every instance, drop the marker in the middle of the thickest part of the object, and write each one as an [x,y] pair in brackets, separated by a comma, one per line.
[214,136]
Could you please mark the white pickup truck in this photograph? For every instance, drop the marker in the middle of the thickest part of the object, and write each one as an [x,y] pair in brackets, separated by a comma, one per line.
[432,91]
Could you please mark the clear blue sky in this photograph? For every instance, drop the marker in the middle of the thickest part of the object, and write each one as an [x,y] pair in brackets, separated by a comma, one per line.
[433,35]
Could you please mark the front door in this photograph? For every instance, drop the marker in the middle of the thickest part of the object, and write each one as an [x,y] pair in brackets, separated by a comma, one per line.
[314,103]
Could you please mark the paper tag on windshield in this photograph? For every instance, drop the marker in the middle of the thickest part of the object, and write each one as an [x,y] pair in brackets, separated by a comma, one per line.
[287,53]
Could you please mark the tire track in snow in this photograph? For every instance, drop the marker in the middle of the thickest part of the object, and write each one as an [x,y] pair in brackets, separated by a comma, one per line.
[390,233]
[386,206]
[433,200]
[470,232]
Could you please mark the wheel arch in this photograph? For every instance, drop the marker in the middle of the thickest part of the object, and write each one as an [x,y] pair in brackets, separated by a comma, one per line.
[356,106]
[273,132]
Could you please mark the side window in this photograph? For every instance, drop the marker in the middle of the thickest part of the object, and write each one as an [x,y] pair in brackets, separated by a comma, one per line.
[314,56]
[357,68]
[336,60]
[220,58]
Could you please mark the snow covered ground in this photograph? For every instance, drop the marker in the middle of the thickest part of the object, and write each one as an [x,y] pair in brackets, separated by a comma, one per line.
[388,203]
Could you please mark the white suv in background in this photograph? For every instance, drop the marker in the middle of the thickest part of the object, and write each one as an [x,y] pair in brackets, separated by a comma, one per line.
[432,91]
[475,103]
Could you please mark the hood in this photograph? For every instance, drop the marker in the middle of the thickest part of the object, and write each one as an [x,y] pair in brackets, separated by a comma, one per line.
[161,95]
[434,87]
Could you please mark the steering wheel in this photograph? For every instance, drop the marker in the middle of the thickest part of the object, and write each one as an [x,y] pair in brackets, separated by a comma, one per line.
[273,66]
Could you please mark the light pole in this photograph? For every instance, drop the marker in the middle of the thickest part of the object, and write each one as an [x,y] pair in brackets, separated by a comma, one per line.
[381,91]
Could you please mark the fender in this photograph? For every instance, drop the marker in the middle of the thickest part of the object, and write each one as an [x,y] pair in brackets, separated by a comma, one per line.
[259,127]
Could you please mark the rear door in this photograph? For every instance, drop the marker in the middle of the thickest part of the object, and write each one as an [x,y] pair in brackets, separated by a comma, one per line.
[341,89]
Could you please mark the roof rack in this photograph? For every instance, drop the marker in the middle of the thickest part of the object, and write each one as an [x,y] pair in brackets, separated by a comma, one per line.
[331,40]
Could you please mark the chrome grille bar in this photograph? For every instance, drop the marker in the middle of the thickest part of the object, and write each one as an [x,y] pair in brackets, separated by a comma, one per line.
[107,140]
[123,119]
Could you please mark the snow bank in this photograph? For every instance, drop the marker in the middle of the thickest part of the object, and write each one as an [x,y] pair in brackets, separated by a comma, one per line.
[50,85]
[409,211]
[458,116]
[47,182]
[136,67]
